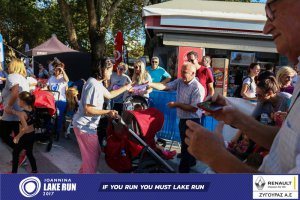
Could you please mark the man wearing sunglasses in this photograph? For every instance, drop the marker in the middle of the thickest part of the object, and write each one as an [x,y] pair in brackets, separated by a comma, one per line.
[157,73]
[203,74]
[282,23]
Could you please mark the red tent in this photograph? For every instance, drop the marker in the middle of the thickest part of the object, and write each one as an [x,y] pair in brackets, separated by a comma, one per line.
[51,46]
[77,64]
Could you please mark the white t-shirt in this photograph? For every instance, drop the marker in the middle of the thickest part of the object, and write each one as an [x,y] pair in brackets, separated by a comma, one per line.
[93,93]
[60,85]
[12,80]
[32,83]
[252,87]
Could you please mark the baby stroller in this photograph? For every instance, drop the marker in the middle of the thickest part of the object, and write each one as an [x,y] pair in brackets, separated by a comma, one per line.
[130,144]
[45,115]
[135,102]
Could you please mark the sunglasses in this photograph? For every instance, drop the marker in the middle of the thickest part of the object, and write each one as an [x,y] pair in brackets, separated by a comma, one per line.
[191,60]
[154,62]
[269,12]
[120,68]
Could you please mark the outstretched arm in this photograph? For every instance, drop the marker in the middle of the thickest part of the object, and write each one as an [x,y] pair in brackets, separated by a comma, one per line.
[158,86]
[182,106]
[112,94]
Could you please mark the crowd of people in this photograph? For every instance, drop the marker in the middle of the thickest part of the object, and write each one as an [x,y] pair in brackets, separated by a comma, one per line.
[281,142]
[266,141]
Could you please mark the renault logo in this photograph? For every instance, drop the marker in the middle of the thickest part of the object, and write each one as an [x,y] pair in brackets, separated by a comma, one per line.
[260,183]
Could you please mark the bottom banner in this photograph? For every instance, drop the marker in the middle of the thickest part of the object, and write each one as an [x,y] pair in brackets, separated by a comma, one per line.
[148,186]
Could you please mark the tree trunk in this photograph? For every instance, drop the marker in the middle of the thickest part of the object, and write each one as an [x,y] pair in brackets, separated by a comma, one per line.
[97,48]
[67,18]
[97,29]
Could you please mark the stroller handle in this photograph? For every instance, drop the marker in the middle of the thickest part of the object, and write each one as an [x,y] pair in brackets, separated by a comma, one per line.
[140,140]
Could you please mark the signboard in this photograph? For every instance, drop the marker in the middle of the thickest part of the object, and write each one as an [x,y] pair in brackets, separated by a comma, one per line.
[241,58]
[220,68]
[147,186]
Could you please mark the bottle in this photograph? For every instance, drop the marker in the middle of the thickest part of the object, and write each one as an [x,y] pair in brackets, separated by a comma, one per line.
[123,152]
[264,118]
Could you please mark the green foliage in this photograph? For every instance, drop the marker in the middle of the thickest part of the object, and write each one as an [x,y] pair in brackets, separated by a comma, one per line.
[33,21]
[22,22]
[128,19]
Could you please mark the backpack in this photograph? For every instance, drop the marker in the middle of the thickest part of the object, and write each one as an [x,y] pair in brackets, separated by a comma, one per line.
[237,92]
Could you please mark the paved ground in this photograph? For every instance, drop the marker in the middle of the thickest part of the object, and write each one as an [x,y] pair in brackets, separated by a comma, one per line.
[65,158]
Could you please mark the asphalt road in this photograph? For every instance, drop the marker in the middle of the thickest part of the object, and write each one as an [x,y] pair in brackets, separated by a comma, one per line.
[65,157]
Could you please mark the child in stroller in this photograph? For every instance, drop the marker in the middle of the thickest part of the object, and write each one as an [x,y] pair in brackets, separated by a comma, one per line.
[129,140]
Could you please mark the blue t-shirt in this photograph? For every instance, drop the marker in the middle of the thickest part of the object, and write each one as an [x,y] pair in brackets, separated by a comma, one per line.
[158,74]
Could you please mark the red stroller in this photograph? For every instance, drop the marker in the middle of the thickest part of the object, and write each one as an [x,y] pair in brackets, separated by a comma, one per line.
[130,144]
[45,114]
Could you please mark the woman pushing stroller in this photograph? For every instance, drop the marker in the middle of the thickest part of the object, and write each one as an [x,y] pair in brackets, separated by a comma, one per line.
[86,119]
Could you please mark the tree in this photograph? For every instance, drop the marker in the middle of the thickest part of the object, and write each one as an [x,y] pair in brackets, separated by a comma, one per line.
[128,19]
[67,18]
[21,22]
[104,10]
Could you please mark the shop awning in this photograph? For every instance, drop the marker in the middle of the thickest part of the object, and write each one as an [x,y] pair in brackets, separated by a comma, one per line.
[220,42]
[240,11]
[210,24]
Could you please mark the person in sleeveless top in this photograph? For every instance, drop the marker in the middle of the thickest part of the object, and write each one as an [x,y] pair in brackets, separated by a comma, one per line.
[24,139]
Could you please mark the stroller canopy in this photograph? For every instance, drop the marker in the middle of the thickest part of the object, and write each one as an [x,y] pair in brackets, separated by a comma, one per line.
[45,99]
[150,121]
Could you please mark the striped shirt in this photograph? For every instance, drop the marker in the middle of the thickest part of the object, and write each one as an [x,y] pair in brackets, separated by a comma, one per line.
[191,94]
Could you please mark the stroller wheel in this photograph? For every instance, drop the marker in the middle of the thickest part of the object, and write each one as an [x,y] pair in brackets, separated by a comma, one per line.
[149,165]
